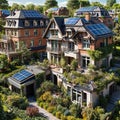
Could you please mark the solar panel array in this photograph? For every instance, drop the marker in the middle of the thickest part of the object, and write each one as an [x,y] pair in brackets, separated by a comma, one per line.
[98,29]
[22,75]
[31,14]
[6,12]
[72,21]
[87,9]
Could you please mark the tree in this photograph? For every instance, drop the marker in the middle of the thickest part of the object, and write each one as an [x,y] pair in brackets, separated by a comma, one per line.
[3,4]
[21,7]
[110,2]
[73,4]
[96,4]
[50,4]
[30,6]
[3,62]
[15,6]
[39,8]
[84,3]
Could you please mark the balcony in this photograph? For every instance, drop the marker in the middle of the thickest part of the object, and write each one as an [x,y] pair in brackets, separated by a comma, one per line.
[54,50]
[6,52]
[73,54]
[5,39]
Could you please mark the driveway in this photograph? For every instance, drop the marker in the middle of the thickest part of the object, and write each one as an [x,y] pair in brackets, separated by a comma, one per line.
[42,111]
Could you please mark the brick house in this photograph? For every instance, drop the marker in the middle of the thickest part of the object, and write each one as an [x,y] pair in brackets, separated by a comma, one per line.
[98,14]
[62,11]
[73,37]
[26,27]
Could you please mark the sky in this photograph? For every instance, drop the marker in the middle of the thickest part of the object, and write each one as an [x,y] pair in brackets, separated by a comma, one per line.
[41,2]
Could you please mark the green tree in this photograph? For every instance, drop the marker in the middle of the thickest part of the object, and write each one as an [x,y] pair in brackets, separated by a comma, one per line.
[96,4]
[21,7]
[2,114]
[50,4]
[30,6]
[73,4]
[15,6]
[39,8]
[116,6]
[84,3]
[74,64]
[3,63]
[110,2]
[3,4]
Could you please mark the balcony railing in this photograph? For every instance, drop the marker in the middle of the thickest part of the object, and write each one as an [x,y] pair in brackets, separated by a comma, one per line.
[73,53]
[54,50]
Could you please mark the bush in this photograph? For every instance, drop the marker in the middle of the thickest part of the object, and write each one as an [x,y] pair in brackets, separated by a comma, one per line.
[17,101]
[50,109]
[58,114]
[32,111]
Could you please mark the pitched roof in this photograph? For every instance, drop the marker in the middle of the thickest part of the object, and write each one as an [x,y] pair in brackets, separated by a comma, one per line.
[99,30]
[5,12]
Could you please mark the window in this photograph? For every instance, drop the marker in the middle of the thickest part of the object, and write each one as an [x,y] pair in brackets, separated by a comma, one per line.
[86,44]
[40,42]
[35,23]
[35,32]
[32,43]
[85,61]
[27,23]
[16,45]
[69,33]
[71,46]
[54,33]
[26,32]
[41,23]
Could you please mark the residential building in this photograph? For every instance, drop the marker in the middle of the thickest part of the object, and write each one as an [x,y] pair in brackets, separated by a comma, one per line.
[62,11]
[4,13]
[71,38]
[24,27]
[97,14]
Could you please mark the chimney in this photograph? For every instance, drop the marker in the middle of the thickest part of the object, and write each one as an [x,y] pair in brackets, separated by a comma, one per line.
[87,16]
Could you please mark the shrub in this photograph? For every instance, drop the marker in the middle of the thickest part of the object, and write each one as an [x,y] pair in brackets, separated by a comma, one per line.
[32,111]
[17,101]
[71,118]
[58,114]
[50,109]
[63,117]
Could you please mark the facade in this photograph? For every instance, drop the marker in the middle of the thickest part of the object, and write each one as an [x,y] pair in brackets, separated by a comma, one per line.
[97,14]
[72,38]
[62,11]
[24,27]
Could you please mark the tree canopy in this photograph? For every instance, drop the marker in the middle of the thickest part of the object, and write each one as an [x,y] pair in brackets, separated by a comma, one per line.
[110,2]
[3,4]
[96,4]
[73,4]
[84,3]
[50,4]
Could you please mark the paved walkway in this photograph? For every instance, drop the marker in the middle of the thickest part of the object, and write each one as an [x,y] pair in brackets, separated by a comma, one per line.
[42,111]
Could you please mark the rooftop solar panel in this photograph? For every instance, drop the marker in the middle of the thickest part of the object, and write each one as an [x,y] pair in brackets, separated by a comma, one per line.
[72,21]
[32,14]
[22,75]
[98,29]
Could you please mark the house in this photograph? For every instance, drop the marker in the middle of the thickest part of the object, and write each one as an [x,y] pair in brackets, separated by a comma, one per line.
[62,11]
[24,27]
[72,38]
[98,14]
[25,82]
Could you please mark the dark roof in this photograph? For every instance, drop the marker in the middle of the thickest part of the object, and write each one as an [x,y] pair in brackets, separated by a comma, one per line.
[87,9]
[23,76]
[5,12]
[98,30]
[26,14]
[60,23]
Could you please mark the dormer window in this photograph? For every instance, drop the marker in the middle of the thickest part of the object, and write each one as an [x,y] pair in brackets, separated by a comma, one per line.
[35,23]
[41,23]
[69,33]
[27,23]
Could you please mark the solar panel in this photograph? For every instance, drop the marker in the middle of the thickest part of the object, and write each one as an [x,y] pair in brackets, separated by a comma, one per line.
[72,21]
[32,14]
[22,75]
[98,29]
